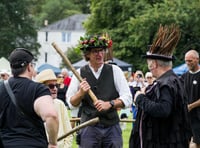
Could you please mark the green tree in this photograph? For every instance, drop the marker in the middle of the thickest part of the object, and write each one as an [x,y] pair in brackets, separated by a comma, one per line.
[16,27]
[144,26]
[113,17]
[72,55]
[54,10]
[84,5]
[132,25]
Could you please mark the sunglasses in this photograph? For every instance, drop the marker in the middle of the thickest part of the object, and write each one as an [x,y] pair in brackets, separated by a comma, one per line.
[52,86]
[2,75]
[60,77]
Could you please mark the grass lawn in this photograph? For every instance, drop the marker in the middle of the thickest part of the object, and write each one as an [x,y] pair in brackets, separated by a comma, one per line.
[126,135]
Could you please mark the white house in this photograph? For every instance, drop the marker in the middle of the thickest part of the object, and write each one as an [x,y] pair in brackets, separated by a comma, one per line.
[65,33]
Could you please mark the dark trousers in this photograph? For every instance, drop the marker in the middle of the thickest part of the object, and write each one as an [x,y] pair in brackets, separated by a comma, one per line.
[99,136]
[1,144]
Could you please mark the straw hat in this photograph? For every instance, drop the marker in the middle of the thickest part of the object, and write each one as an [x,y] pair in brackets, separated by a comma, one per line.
[5,71]
[45,75]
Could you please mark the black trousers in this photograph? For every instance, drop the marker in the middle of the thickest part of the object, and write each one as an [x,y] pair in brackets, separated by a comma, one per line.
[1,143]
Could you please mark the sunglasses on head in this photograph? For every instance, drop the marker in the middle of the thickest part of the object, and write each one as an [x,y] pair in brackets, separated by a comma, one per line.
[52,86]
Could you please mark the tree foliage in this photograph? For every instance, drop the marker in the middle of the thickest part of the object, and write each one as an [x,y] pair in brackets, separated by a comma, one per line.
[54,10]
[16,27]
[84,5]
[72,55]
[132,25]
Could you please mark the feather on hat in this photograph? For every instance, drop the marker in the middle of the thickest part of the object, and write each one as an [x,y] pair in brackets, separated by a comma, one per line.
[164,43]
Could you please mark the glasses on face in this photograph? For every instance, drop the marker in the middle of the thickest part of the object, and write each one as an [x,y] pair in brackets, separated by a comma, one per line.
[52,86]
[60,76]
[96,51]
[2,75]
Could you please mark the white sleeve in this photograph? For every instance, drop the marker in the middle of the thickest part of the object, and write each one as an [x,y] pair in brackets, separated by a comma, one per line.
[72,90]
[122,86]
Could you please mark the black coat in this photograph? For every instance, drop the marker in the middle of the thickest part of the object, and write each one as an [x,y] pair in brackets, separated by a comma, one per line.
[163,115]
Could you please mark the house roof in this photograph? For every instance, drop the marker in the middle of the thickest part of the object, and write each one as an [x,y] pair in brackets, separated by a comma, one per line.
[74,22]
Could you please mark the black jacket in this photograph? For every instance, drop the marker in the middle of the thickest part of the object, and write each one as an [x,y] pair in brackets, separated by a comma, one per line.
[163,114]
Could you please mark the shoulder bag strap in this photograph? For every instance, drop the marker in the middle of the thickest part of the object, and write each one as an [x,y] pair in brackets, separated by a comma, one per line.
[13,99]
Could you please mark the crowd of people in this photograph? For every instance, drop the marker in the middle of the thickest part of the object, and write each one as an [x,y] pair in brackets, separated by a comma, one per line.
[165,107]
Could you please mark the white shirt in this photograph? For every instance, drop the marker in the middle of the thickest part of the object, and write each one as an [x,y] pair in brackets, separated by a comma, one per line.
[120,82]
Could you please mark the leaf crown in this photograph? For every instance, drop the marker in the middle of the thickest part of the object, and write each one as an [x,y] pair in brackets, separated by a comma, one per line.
[88,42]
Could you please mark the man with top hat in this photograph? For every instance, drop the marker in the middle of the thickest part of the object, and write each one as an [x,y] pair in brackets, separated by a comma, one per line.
[162,118]
[110,87]
[22,123]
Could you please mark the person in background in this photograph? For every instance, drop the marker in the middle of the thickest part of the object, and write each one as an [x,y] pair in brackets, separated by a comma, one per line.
[23,126]
[149,78]
[67,78]
[110,86]
[5,74]
[192,87]
[137,84]
[139,81]
[48,78]
[162,118]
[62,88]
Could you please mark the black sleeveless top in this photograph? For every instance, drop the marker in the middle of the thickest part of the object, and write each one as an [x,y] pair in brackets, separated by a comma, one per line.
[104,89]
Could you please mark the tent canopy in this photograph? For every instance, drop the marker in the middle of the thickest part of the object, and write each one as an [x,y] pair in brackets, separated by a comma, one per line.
[48,66]
[181,69]
[4,64]
[123,65]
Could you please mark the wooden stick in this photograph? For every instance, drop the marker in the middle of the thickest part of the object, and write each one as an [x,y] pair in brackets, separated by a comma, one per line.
[68,63]
[89,122]
[121,120]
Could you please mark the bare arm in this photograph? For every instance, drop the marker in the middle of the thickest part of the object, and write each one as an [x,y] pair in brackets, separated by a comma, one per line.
[44,107]
[83,89]
[194,105]
[105,105]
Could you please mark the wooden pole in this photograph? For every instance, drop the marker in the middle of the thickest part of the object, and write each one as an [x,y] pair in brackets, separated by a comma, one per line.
[68,63]
[89,122]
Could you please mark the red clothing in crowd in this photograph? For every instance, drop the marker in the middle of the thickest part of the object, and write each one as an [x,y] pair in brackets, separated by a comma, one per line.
[67,81]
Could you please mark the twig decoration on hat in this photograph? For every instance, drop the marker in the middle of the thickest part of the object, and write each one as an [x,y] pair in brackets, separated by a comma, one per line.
[166,40]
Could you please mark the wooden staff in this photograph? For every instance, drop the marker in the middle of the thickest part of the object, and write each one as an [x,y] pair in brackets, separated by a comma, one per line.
[89,122]
[121,120]
[68,63]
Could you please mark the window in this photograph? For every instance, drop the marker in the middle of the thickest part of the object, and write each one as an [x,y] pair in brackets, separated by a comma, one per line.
[66,36]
